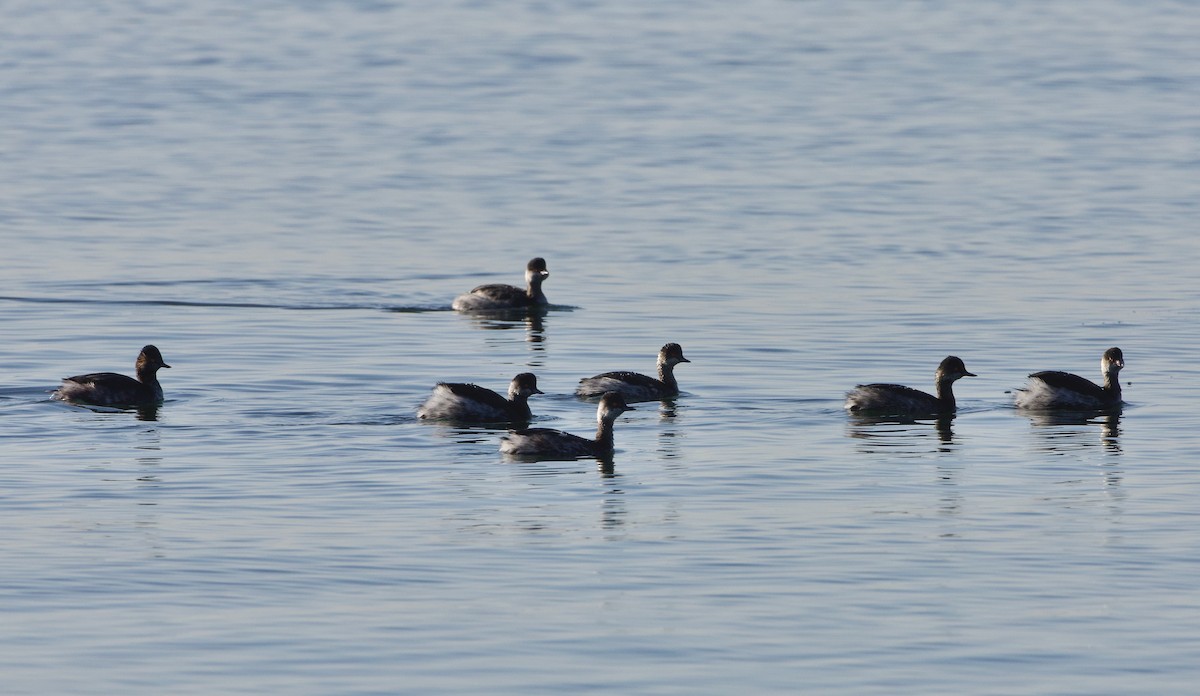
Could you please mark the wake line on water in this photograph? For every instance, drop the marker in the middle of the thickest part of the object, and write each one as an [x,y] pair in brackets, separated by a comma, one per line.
[227,305]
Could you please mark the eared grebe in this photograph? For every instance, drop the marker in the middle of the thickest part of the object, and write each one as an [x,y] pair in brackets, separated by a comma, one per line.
[896,399]
[637,387]
[544,442]
[1063,390]
[112,389]
[470,402]
[499,296]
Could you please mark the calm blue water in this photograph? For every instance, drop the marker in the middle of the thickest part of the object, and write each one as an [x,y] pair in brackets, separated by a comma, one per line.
[285,197]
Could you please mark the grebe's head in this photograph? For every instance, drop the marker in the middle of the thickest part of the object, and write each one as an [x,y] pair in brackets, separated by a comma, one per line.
[672,354]
[524,384]
[535,270]
[951,369]
[612,405]
[150,359]
[1112,361]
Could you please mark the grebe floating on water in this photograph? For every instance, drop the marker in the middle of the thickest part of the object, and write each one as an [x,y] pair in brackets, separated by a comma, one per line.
[638,387]
[1063,390]
[548,443]
[112,389]
[499,296]
[473,403]
[897,399]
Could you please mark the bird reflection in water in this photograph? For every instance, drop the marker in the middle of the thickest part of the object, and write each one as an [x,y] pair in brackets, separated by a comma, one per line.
[613,505]
[532,319]
[1063,430]
[1068,433]
[887,433]
[148,412]
[145,412]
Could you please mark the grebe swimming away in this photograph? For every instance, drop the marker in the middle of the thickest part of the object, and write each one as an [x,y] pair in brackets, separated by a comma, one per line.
[896,399]
[544,442]
[473,403]
[112,389]
[499,296]
[637,387]
[1063,390]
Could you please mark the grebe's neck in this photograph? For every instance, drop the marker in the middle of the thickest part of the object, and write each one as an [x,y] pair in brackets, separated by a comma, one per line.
[519,405]
[604,435]
[945,394]
[1112,383]
[666,375]
[533,287]
[147,374]
[149,378]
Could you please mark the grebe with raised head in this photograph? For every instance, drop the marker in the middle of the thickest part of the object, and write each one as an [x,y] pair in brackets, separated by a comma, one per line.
[895,399]
[473,403]
[116,390]
[548,443]
[638,387]
[1052,389]
[500,296]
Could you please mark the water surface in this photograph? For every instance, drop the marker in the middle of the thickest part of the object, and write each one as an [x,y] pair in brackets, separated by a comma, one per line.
[286,197]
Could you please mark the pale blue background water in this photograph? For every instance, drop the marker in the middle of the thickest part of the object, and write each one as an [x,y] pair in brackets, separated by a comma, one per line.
[805,195]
